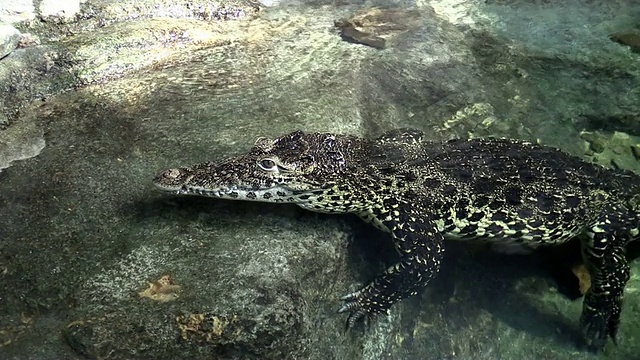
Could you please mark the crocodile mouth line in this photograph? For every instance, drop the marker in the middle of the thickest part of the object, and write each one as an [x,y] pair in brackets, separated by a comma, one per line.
[274,195]
[185,190]
[232,192]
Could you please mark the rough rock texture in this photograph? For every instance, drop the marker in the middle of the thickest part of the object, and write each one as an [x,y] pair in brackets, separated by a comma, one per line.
[62,9]
[20,141]
[51,61]
[9,37]
[630,38]
[116,103]
[13,11]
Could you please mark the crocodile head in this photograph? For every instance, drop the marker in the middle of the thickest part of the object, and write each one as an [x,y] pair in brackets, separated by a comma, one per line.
[292,168]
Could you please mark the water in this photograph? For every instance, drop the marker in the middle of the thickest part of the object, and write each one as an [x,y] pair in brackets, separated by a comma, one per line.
[83,232]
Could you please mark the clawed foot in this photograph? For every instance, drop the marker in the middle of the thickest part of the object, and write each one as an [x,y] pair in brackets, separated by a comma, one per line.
[600,319]
[353,306]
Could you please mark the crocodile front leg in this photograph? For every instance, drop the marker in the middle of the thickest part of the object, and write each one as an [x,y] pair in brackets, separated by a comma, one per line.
[420,246]
[604,255]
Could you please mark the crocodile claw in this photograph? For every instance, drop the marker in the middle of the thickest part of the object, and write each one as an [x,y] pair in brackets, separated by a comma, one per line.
[354,307]
[600,320]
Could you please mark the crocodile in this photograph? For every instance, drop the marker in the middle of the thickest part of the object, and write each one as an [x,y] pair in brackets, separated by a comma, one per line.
[507,192]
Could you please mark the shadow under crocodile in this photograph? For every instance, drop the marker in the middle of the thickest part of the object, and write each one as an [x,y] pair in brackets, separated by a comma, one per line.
[474,280]
[471,282]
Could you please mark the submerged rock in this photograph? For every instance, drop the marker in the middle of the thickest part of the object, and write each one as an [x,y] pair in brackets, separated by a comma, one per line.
[20,141]
[13,11]
[9,38]
[630,38]
[61,9]
[374,26]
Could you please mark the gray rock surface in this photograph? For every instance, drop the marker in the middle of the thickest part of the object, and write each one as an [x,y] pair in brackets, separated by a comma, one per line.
[9,37]
[20,141]
[63,9]
[13,11]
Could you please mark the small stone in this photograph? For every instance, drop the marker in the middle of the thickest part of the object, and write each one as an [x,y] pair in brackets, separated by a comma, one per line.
[630,38]
[13,11]
[9,37]
[374,26]
[350,33]
[21,140]
[64,9]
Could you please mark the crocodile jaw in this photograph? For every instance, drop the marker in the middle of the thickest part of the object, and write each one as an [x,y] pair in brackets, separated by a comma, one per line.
[194,181]
[275,194]
[295,168]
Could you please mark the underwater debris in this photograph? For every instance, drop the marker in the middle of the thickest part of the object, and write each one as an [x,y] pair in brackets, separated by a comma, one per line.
[584,279]
[161,290]
[209,328]
[350,33]
[374,26]
[9,334]
[630,38]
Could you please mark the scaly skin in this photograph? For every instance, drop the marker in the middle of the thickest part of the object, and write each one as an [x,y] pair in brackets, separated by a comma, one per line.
[511,193]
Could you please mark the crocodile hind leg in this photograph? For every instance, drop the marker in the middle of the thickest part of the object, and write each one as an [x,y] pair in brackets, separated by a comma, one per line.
[420,246]
[604,254]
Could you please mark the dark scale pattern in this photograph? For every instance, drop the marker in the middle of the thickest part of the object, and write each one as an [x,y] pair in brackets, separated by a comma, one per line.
[511,193]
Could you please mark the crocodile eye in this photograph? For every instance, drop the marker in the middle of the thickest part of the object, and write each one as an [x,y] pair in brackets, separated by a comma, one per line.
[268,165]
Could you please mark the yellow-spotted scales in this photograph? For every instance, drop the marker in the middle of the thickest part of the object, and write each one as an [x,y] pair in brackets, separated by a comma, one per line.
[509,192]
